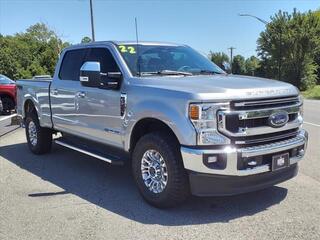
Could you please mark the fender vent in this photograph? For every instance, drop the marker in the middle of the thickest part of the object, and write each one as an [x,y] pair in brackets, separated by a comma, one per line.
[123,104]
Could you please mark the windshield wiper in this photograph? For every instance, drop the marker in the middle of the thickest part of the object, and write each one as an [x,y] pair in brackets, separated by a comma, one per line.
[167,72]
[209,72]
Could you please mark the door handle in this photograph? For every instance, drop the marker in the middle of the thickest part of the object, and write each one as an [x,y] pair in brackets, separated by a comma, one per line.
[54,92]
[81,94]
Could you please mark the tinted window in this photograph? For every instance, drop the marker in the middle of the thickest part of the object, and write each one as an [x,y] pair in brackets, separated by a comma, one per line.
[71,64]
[103,55]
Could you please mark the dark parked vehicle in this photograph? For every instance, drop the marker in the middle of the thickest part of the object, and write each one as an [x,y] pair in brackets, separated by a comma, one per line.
[8,92]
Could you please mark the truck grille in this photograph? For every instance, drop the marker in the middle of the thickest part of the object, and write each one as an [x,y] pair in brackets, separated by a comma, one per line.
[247,122]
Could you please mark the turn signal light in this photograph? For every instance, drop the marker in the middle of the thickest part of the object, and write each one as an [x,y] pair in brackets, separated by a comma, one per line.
[194,112]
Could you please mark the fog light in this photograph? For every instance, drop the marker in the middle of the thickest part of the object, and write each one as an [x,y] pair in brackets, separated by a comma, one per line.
[212,159]
[252,163]
[215,161]
[301,152]
[249,163]
[294,152]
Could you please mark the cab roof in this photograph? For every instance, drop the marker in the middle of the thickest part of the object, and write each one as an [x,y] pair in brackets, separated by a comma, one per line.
[145,43]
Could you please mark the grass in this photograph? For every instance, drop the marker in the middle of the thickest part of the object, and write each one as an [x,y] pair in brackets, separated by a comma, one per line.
[313,93]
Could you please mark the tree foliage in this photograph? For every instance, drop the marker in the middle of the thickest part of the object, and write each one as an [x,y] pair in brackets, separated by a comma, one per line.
[238,65]
[219,58]
[34,52]
[86,39]
[252,66]
[289,48]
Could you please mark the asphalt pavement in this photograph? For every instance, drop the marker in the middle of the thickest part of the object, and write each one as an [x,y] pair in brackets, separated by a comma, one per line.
[67,195]
[6,125]
[312,112]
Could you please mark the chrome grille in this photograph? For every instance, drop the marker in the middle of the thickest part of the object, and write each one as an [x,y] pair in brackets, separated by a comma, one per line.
[247,122]
[265,103]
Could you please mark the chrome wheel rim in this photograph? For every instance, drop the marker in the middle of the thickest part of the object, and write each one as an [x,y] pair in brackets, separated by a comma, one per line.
[32,130]
[154,171]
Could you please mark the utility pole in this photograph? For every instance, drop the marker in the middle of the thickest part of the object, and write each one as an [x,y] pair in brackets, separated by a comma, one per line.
[92,23]
[231,56]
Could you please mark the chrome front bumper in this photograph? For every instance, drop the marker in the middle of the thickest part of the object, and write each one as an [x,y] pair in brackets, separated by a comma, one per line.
[193,158]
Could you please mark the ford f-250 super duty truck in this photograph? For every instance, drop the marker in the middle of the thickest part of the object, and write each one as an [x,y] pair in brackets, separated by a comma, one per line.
[183,124]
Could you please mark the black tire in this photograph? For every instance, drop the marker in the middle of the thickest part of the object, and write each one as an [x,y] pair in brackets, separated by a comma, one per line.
[177,188]
[7,104]
[43,135]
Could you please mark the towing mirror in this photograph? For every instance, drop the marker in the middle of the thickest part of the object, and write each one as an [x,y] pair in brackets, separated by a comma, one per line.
[113,80]
[90,74]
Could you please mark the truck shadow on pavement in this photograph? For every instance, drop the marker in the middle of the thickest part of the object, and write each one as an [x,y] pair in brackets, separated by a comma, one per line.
[113,189]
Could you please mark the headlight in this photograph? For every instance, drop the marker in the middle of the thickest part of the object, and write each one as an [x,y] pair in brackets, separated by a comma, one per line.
[301,108]
[204,119]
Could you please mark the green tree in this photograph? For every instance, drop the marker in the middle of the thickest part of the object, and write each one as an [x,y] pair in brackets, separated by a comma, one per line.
[34,52]
[252,65]
[291,44]
[86,39]
[239,65]
[219,58]
[40,32]
[317,58]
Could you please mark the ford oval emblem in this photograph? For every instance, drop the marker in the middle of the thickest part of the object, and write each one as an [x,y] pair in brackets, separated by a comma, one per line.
[278,119]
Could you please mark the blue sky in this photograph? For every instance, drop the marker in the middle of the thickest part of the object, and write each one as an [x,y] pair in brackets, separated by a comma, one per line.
[204,25]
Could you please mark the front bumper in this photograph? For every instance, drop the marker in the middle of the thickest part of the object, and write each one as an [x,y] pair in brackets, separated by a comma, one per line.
[220,185]
[193,158]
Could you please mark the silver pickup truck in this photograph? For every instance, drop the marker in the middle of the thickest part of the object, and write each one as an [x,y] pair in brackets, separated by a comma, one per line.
[183,124]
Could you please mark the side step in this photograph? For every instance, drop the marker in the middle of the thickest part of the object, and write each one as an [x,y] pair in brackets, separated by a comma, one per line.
[91,151]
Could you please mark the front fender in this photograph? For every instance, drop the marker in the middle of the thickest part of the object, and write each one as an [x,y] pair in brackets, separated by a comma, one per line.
[173,115]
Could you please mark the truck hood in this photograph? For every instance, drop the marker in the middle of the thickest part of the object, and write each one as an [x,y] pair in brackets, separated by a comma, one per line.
[220,87]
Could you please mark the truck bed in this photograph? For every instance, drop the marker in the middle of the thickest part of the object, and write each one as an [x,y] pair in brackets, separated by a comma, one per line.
[39,92]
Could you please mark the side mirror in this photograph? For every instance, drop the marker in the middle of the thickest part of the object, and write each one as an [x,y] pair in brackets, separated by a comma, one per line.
[90,74]
[111,80]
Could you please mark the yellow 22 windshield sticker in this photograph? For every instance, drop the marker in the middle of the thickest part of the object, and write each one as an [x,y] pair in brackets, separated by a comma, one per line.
[127,49]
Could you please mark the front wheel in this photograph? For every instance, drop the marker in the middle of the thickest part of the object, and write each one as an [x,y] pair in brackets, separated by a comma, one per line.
[158,170]
[39,138]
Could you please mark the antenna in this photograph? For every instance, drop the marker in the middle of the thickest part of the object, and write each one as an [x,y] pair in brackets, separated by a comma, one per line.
[137,43]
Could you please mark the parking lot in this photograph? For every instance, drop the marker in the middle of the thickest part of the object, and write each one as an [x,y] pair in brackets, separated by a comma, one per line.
[6,125]
[67,195]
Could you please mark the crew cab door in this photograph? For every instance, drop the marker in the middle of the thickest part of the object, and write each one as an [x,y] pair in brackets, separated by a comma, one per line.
[64,90]
[89,112]
[99,107]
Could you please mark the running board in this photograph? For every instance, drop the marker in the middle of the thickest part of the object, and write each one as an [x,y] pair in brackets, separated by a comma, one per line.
[83,149]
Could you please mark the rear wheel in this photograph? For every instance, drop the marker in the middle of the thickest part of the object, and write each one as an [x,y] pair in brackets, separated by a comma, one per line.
[39,138]
[7,104]
[158,170]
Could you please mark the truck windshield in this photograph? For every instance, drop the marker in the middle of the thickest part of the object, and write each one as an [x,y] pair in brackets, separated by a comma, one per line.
[166,60]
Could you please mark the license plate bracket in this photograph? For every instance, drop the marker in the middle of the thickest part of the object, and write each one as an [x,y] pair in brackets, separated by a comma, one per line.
[280,161]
